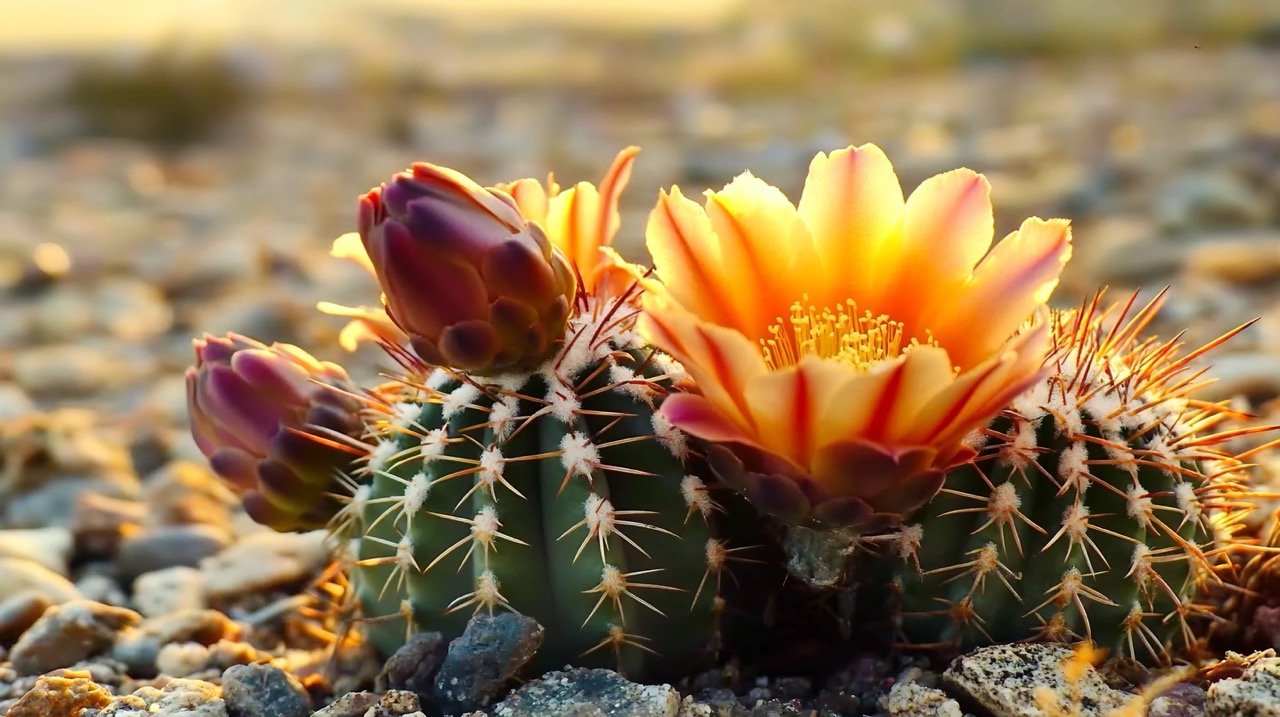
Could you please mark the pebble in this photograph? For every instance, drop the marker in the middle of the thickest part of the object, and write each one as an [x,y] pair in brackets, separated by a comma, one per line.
[1236,260]
[488,655]
[174,698]
[413,667]
[50,547]
[393,703]
[263,691]
[14,402]
[262,561]
[912,699]
[61,694]
[101,522]
[181,659]
[1256,693]
[185,492]
[168,546]
[22,575]
[79,368]
[101,588]
[69,633]
[1181,700]
[160,592]
[588,693]
[1004,680]
[19,612]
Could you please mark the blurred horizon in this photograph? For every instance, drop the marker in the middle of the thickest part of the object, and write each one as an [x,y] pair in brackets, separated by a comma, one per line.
[189,161]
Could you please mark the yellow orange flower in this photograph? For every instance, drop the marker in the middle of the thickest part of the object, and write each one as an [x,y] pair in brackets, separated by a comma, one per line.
[367,323]
[582,221]
[845,348]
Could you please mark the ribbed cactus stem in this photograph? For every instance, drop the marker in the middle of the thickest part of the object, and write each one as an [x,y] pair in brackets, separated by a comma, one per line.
[559,494]
[1092,510]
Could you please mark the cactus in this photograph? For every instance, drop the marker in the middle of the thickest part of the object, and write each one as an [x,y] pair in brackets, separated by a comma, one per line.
[1092,508]
[557,493]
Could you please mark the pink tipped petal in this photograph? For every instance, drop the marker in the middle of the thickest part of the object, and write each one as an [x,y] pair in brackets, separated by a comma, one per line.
[984,389]
[687,257]
[1018,275]
[765,248]
[852,203]
[720,360]
[949,222]
[696,415]
[788,404]
[615,180]
[947,227]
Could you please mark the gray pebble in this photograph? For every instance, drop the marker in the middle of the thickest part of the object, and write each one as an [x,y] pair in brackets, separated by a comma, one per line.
[169,546]
[413,667]
[489,654]
[263,691]
[589,693]
[19,612]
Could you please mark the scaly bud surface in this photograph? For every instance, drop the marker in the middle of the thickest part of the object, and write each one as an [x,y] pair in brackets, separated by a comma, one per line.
[474,285]
[272,422]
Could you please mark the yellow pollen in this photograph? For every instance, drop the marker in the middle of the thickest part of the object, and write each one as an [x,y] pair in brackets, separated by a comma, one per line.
[842,333]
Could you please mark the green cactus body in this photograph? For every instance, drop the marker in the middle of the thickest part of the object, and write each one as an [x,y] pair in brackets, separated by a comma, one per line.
[558,494]
[1091,511]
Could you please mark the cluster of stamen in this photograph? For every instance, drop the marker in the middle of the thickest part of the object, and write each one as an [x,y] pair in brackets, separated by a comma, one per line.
[862,339]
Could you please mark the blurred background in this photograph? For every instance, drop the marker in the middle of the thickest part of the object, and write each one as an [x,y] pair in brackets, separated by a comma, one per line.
[169,167]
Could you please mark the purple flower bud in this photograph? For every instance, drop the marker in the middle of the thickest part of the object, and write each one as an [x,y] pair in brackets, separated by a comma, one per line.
[266,417]
[475,285]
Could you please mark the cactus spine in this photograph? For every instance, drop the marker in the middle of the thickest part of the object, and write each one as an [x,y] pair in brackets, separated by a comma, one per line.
[557,493]
[1092,509]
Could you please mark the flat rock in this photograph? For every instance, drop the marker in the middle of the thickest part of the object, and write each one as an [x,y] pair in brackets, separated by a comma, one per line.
[22,575]
[69,633]
[160,592]
[169,546]
[1256,693]
[480,663]
[1005,679]
[49,547]
[589,693]
[263,691]
[263,560]
[912,699]
[183,492]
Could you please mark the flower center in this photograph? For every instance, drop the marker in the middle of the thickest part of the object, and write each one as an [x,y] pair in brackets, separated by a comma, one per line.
[842,333]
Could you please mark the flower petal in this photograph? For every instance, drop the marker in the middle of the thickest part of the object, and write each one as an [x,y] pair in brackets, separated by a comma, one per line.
[530,196]
[1018,275]
[350,247]
[946,228]
[582,219]
[852,203]
[686,254]
[985,389]
[765,248]
[788,404]
[721,361]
